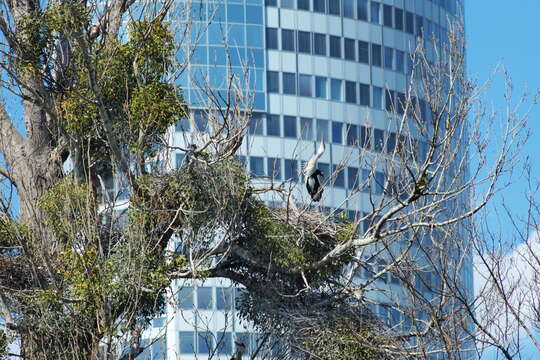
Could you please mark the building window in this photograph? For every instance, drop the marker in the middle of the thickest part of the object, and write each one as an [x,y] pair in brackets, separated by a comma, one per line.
[378,137]
[389,100]
[363,52]
[271,38]
[337,132]
[187,342]
[289,83]
[322,130]
[287,4]
[398,19]
[304,85]
[365,185]
[182,125]
[350,52]
[375,12]
[270,2]
[364,95]
[303,5]
[320,87]
[205,342]
[273,127]
[365,137]
[224,343]
[409,22]
[204,298]
[348,8]
[274,168]
[319,6]
[376,56]
[223,298]
[319,44]
[185,298]
[419,25]
[158,322]
[306,128]
[334,7]
[377,97]
[272,81]
[387,15]
[254,14]
[352,178]
[380,180]
[352,135]
[362,12]
[339,180]
[335,90]
[287,40]
[256,125]
[304,42]
[291,169]
[391,143]
[388,58]
[400,61]
[350,92]
[289,126]
[256,166]
[335,46]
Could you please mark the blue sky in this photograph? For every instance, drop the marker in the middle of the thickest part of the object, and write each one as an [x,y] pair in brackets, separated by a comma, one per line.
[506,31]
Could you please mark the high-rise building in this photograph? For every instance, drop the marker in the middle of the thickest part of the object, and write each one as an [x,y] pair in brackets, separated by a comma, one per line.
[318,69]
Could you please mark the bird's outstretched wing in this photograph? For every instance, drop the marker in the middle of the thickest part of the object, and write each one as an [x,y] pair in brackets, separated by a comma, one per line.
[312,162]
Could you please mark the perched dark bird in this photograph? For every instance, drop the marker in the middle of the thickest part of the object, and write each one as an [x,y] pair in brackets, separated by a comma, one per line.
[313,185]
[240,349]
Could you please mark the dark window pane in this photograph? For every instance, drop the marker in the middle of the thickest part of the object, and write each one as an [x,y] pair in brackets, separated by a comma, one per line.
[400,102]
[289,126]
[271,38]
[377,97]
[378,137]
[274,168]
[256,125]
[256,165]
[388,57]
[187,342]
[204,298]
[363,52]
[350,92]
[334,7]
[352,178]
[350,53]
[287,40]
[365,184]
[304,85]
[375,12]
[348,8]
[182,125]
[223,298]
[387,15]
[352,135]
[272,81]
[306,129]
[400,61]
[335,90]
[304,42]
[337,132]
[409,22]
[320,87]
[362,12]
[289,83]
[303,4]
[376,56]
[389,100]
[270,2]
[398,18]
[322,130]
[185,298]
[319,6]
[380,180]
[391,143]
[365,137]
[238,296]
[340,177]
[419,25]
[335,46]
[287,4]
[319,44]
[273,127]
[291,170]
[205,342]
[224,343]
[364,95]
